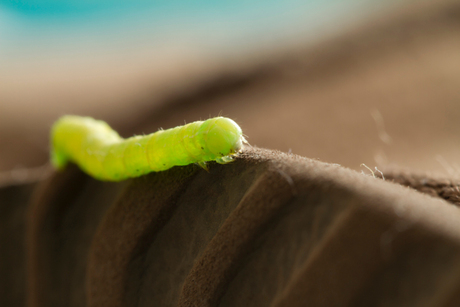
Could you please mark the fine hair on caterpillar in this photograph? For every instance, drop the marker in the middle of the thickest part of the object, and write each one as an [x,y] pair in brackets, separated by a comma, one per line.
[102,153]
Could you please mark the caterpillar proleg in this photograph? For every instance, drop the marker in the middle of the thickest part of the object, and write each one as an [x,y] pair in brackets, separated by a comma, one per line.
[102,153]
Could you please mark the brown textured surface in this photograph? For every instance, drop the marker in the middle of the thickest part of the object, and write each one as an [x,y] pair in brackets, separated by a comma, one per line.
[62,218]
[13,205]
[269,229]
[448,189]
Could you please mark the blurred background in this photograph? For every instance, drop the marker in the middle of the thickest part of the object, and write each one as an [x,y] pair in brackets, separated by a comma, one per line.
[347,82]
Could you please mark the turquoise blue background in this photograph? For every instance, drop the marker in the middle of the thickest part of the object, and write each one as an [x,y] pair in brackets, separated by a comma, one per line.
[31,27]
[64,8]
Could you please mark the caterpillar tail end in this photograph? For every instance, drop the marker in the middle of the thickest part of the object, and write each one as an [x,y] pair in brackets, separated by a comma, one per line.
[58,160]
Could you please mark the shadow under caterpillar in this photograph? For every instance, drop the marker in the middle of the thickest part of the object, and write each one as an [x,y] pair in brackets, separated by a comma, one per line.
[99,151]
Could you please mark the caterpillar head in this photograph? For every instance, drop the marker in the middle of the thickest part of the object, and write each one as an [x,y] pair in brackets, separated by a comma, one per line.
[221,136]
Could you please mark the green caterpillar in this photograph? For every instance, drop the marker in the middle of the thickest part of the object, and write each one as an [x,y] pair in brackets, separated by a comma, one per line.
[102,153]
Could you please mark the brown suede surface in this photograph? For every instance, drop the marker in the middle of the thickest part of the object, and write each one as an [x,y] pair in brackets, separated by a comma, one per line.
[272,228]
[13,206]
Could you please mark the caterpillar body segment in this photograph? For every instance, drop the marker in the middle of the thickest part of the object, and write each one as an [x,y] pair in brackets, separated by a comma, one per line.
[102,153]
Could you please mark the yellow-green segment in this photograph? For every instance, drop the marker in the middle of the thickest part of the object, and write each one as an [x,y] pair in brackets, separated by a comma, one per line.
[102,153]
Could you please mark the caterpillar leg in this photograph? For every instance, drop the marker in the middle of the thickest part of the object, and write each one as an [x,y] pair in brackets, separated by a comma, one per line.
[225,159]
[203,165]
